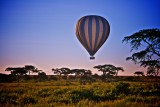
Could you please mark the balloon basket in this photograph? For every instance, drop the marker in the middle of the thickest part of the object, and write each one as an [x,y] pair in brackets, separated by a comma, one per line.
[92,58]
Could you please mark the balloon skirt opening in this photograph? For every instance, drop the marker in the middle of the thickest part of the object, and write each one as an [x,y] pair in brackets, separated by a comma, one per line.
[92,58]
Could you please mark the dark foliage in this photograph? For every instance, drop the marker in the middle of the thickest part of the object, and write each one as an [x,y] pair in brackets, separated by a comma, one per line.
[149,57]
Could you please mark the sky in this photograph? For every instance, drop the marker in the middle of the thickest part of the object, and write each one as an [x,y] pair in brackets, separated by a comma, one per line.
[42,32]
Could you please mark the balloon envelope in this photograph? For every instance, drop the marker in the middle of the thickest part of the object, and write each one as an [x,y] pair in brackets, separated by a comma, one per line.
[92,31]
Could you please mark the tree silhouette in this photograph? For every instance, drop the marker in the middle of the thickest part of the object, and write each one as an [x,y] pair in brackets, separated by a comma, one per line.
[88,73]
[107,69]
[21,71]
[139,73]
[61,71]
[149,41]
[81,73]
[57,71]
[31,68]
[65,72]
[119,69]
[36,70]
[17,72]
[153,67]
[42,76]
[78,73]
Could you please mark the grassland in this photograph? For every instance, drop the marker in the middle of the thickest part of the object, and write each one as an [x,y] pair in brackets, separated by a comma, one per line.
[74,94]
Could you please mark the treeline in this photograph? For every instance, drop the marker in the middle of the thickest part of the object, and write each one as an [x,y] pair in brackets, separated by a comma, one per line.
[4,78]
[24,73]
[109,73]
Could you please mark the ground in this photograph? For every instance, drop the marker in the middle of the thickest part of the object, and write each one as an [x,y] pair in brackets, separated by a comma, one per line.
[73,94]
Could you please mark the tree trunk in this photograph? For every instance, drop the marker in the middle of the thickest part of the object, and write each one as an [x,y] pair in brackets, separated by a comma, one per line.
[18,78]
[116,73]
[156,74]
[60,76]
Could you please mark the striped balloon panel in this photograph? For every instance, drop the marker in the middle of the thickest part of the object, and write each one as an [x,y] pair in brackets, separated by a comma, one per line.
[92,32]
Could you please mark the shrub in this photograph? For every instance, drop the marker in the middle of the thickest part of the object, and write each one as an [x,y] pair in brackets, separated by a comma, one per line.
[5,98]
[44,93]
[26,100]
[121,88]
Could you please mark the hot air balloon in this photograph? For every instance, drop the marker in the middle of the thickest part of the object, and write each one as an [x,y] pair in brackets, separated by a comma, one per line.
[92,31]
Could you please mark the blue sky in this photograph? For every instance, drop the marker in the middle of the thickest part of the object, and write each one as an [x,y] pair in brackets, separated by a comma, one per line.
[42,32]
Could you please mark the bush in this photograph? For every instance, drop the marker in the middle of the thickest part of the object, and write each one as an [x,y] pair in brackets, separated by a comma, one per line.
[77,95]
[5,98]
[25,100]
[44,93]
[121,88]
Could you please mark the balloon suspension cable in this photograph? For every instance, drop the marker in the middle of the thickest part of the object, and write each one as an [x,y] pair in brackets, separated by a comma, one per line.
[92,58]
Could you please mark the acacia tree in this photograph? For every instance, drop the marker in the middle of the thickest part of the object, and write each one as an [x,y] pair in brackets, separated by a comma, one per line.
[88,73]
[79,73]
[108,69]
[31,68]
[36,70]
[61,71]
[148,42]
[138,73]
[119,69]
[17,71]
[57,71]
[65,72]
